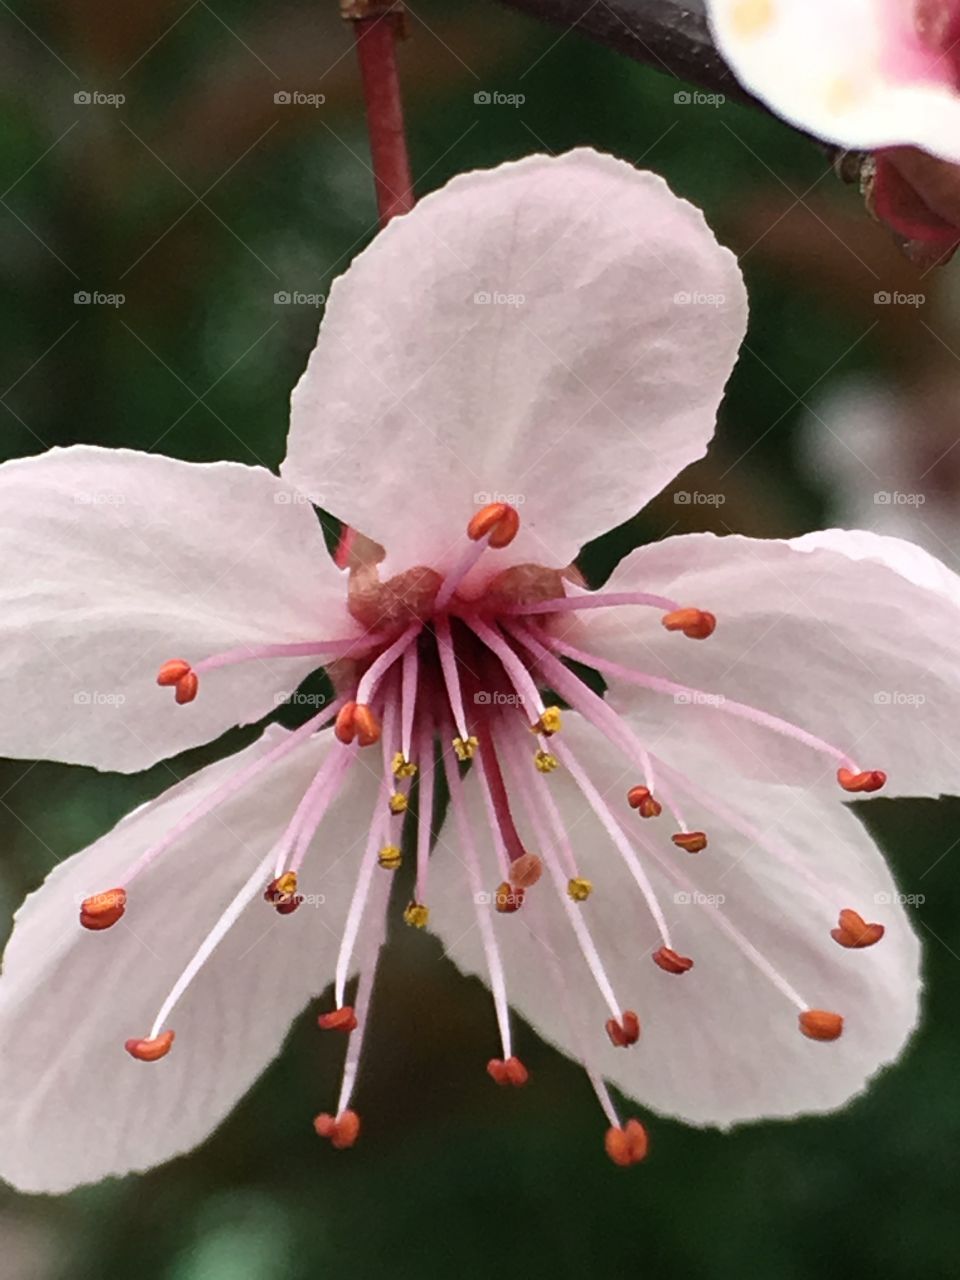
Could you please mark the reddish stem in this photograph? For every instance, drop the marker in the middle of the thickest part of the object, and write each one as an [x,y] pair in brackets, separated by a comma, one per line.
[376,37]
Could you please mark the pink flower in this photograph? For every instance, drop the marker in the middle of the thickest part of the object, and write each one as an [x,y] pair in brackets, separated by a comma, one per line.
[861,73]
[663,880]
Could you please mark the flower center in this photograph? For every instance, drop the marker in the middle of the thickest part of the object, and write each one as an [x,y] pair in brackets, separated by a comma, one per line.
[452,680]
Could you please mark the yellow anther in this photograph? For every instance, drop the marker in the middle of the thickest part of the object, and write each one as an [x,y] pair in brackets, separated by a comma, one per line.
[398,802]
[579,889]
[286,884]
[389,858]
[402,767]
[550,722]
[546,762]
[465,748]
[416,915]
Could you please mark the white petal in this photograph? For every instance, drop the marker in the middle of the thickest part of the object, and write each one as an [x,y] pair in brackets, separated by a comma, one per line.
[577,390]
[115,561]
[74,1106]
[719,1044]
[852,636]
[852,71]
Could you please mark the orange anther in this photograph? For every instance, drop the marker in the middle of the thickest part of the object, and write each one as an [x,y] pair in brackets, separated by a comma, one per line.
[103,909]
[692,841]
[187,687]
[367,725]
[173,671]
[525,871]
[499,520]
[282,893]
[818,1024]
[853,931]
[869,780]
[641,799]
[150,1050]
[625,1032]
[671,961]
[508,1071]
[343,1019]
[508,898]
[696,624]
[628,1145]
[343,727]
[342,1130]
[357,720]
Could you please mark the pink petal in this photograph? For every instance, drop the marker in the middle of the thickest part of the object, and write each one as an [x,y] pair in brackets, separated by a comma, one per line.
[526,335]
[75,1107]
[115,562]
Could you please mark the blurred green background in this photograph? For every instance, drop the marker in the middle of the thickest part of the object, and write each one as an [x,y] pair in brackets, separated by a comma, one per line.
[199,198]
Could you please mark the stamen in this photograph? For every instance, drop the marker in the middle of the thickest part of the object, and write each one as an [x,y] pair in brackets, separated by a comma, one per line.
[402,767]
[640,798]
[546,762]
[397,803]
[182,677]
[696,624]
[616,834]
[382,664]
[342,1130]
[579,889]
[593,600]
[231,787]
[152,1049]
[451,680]
[864,781]
[627,1145]
[624,1031]
[508,898]
[368,975]
[103,910]
[416,915]
[465,748]
[346,647]
[533,797]
[358,901]
[488,939]
[408,703]
[818,1024]
[508,1071]
[854,932]
[357,720]
[550,722]
[390,857]
[494,526]
[498,522]
[691,841]
[282,893]
[342,1019]
[671,961]
[849,772]
[424,807]
[527,691]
